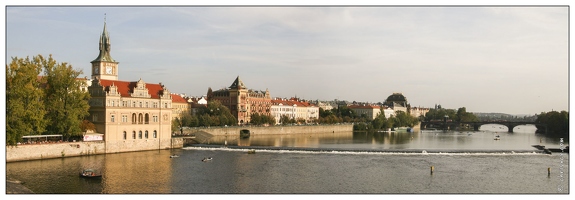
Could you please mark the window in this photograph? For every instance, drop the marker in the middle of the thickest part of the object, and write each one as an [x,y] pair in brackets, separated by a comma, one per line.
[125,103]
[124,118]
[133,104]
[155,134]
[147,118]
[139,134]
[95,117]
[133,118]
[113,118]
[146,134]
[165,105]
[146,104]
[140,118]
[133,134]
[155,118]
[125,135]
[112,103]
[140,104]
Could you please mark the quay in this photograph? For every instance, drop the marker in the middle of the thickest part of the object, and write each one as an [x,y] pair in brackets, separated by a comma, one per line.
[25,152]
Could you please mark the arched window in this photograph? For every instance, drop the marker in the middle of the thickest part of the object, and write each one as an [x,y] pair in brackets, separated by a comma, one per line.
[133,134]
[147,118]
[140,135]
[134,118]
[125,135]
[146,134]
[140,118]
[155,134]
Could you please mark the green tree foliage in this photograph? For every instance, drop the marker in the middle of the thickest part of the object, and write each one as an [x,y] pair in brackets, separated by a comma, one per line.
[439,114]
[403,119]
[557,123]
[215,114]
[24,99]
[284,119]
[463,116]
[65,102]
[259,119]
[49,104]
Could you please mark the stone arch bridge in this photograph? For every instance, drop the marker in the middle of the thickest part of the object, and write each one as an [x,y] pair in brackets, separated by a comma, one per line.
[446,125]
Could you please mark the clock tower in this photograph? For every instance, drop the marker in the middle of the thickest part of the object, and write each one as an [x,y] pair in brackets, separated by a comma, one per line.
[104,66]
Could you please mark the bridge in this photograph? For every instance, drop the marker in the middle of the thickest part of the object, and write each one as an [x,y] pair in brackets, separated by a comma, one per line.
[445,125]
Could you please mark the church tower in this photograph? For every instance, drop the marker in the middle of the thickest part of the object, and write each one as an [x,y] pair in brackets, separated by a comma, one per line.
[104,66]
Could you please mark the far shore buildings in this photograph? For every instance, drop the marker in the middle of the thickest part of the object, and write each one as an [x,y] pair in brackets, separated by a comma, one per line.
[132,115]
[241,101]
[295,109]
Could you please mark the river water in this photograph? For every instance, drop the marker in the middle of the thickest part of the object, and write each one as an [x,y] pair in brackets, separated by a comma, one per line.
[332,163]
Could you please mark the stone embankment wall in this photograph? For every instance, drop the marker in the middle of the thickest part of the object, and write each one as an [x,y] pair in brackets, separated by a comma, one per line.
[53,150]
[273,130]
[70,149]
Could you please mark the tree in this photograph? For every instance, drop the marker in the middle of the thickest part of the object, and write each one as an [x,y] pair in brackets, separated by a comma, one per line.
[24,99]
[186,119]
[87,125]
[556,123]
[215,114]
[65,102]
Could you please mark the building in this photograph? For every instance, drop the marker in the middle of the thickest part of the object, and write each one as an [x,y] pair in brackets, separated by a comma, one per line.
[196,103]
[369,111]
[294,109]
[179,106]
[397,102]
[418,111]
[132,115]
[241,101]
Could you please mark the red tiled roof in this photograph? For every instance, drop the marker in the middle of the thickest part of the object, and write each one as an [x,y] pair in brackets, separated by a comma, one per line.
[178,99]
[363,107]
[125,88]
[291,103]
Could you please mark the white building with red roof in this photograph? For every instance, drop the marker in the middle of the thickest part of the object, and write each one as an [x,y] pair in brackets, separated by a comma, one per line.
[294,109]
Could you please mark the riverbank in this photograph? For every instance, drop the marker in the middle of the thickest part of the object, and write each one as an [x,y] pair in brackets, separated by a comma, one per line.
[39,151]
[16,187]
[271,130]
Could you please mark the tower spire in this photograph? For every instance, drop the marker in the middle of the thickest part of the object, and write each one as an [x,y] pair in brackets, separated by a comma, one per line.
[105,46]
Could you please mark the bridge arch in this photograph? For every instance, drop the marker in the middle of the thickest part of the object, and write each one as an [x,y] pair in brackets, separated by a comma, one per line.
[476,125]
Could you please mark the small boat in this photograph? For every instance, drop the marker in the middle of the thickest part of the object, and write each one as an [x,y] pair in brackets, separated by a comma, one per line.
[497,138]
[90,173]
[174,156]
[207,159]
[251,151]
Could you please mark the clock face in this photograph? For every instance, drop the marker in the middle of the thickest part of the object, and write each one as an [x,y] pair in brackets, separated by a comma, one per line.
[108,70]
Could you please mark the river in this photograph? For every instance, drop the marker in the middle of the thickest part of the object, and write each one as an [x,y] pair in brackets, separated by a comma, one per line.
[463,162]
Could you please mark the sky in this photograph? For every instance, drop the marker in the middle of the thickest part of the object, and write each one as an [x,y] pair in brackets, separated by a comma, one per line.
[504,59]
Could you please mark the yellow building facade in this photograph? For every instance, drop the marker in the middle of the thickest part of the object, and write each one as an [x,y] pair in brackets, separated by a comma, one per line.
[132,115]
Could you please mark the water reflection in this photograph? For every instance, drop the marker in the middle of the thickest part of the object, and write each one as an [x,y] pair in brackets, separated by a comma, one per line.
[153,169]
[522,139]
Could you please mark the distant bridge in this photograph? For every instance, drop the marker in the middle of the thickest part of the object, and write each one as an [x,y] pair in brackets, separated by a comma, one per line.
[445,125]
